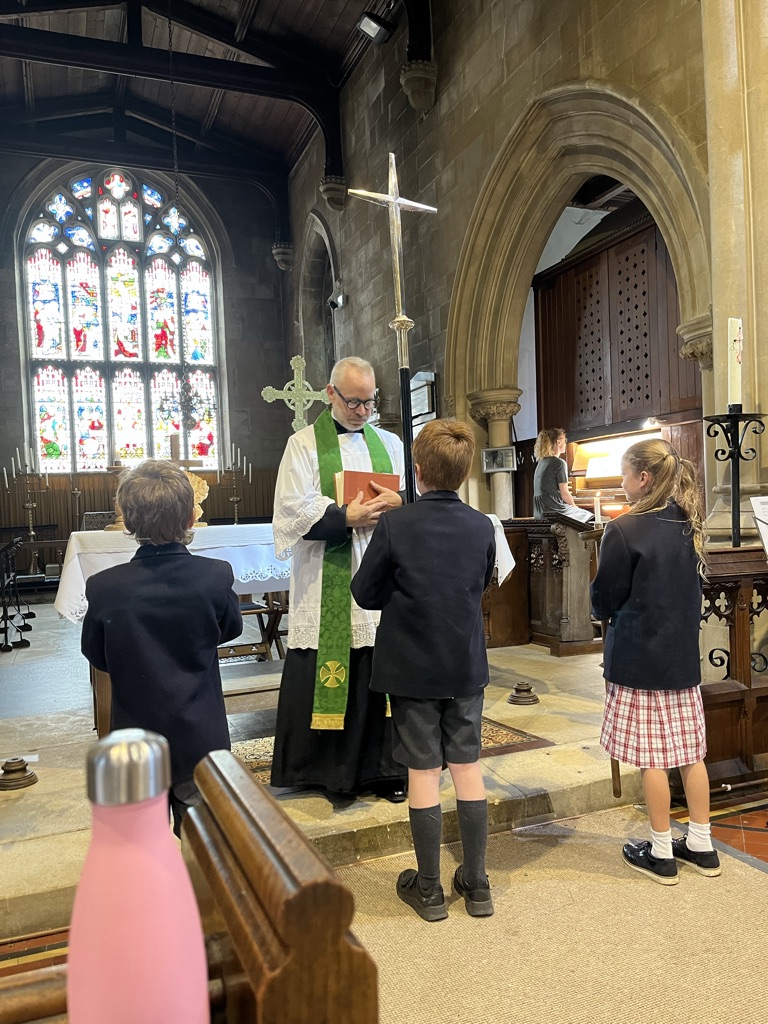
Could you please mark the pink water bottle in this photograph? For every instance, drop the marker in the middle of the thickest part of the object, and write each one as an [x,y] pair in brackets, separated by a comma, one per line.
[136,947]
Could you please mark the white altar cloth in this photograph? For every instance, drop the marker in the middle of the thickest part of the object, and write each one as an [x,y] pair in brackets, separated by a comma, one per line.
[249,549]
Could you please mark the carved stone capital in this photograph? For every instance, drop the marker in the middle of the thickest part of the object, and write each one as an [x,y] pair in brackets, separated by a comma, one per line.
[493,404]
[283,255]
[419,79]
[696,335]
[333,189]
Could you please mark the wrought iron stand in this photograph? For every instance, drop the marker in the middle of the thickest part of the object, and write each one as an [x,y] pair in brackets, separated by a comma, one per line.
[734,425]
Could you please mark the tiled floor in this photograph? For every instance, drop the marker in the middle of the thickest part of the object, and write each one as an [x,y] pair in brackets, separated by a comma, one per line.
[742,825]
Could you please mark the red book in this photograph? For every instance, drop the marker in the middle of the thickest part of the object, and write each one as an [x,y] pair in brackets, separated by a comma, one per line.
[349,483]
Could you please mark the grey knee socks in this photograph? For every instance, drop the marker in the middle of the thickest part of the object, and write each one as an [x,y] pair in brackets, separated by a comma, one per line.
[426,828]
[473,824]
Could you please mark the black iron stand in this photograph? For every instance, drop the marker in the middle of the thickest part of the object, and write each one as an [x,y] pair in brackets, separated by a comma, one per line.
[733,426]
[405,412]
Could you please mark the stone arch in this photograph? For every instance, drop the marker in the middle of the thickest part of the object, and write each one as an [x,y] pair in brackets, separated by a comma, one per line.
[567,135]
[319,282]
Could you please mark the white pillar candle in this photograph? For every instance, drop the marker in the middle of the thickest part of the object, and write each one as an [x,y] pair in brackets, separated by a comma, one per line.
[233,455]
[598,514]
[31,459]
[238,458]
[218,476]
[735,351]
[5,477]
[18,459]
[249,473]
[13,468]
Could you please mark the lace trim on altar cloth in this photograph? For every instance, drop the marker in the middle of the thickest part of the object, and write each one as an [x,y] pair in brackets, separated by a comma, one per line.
[278,572]
[294,528]
[363,635]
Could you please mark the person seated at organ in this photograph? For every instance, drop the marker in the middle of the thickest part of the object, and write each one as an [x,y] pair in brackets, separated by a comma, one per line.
[550,481]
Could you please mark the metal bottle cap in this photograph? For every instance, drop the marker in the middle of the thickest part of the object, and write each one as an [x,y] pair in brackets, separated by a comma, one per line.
[127,766]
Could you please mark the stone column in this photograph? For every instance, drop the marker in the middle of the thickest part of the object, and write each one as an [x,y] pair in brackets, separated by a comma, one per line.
[492,409]
[735,42]
[696,344]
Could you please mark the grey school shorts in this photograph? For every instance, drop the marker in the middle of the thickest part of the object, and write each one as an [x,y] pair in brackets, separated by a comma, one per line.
[429,733]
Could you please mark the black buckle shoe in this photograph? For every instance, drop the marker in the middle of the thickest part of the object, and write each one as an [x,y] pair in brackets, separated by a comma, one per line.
[393,791]
[479,902]
[429,906]
[639,857]
[706,862]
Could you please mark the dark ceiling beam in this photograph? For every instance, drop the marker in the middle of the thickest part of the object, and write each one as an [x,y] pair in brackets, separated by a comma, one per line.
[419,16]
[13,9]
[254,44]
[149,158]
[206,72]
[66,110]
[61,106]
[244,18]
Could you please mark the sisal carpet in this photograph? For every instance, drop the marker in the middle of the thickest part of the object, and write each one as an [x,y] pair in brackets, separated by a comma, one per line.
[496,739]
[576,937]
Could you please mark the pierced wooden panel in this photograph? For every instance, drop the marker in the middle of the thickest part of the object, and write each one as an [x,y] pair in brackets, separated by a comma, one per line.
[633,383]
[591,317]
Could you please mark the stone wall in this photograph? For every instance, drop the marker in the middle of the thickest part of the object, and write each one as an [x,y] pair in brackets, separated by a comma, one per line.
[494,57]
[248,286]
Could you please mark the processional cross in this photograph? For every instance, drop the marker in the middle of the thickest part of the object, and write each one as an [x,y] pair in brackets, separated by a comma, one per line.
[297,394]
[402,323]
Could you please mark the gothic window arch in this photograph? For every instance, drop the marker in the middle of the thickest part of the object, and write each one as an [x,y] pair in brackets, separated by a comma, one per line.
[119,323]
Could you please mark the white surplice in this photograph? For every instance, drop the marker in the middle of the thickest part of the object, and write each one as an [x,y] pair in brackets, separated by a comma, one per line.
[299,504]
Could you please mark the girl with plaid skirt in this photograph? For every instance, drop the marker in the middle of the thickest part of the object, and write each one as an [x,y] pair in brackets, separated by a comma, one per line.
[648,587]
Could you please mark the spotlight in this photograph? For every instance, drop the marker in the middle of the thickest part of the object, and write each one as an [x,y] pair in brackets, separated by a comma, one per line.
[377,29]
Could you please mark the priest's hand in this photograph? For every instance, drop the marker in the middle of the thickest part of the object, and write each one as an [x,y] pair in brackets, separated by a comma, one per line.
[392,498]
[361,513]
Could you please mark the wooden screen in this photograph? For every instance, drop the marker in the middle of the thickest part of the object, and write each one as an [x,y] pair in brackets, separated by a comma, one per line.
[606,346]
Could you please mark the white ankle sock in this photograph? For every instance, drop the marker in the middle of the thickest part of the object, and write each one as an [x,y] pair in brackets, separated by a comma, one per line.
[699,838]
[661,847]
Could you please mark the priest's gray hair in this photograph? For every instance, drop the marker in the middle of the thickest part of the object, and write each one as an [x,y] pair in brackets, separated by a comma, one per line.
[350,363]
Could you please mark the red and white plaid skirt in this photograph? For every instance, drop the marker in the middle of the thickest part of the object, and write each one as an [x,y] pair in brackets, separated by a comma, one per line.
[654,728]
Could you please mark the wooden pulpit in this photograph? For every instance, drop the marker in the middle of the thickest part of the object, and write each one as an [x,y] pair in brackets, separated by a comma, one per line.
[560,560]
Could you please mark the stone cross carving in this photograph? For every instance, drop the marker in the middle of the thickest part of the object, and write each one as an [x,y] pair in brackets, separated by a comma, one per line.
[297,394]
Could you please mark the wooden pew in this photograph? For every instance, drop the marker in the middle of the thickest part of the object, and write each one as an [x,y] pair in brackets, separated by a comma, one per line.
[276,918]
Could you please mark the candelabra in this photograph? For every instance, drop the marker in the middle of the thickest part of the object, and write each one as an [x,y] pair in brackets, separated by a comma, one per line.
[232,474]
[22,484]
[733,425]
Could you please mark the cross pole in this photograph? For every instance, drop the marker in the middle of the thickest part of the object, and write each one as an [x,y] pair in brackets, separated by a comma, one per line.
[296,394]
[402,323]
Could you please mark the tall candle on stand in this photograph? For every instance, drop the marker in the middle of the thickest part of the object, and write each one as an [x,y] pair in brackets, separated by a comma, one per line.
[5,477]
[735,352]
[598,514]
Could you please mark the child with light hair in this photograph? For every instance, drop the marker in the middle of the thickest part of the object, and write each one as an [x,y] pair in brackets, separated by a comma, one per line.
[648,586]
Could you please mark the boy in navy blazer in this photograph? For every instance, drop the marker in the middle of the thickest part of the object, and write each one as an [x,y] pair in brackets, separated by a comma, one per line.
[155,624]
[426,568]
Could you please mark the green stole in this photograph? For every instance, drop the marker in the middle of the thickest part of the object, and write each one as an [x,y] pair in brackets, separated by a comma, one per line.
[332,675]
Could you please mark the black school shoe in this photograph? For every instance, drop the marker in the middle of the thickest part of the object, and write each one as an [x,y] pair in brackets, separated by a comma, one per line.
[429,906]
[706,863]
[639,857]
[479,902]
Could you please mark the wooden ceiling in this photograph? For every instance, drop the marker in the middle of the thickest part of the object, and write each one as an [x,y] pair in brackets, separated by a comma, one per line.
[247,82]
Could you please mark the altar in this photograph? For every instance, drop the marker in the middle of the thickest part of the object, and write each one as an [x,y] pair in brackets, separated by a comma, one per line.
[249,549]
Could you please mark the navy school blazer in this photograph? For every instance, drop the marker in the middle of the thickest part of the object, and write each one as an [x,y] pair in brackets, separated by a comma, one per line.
[426,568]
[154,624]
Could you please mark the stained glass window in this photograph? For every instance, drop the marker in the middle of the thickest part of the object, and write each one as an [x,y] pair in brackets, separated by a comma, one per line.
[165,388]
[107,218]
[51,399]
[89,397]
[129,416]
[196,313]
[45,312]
[160,289]
[121,340]
[83,292]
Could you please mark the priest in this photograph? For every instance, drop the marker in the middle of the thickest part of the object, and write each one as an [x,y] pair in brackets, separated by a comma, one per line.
[331,730]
